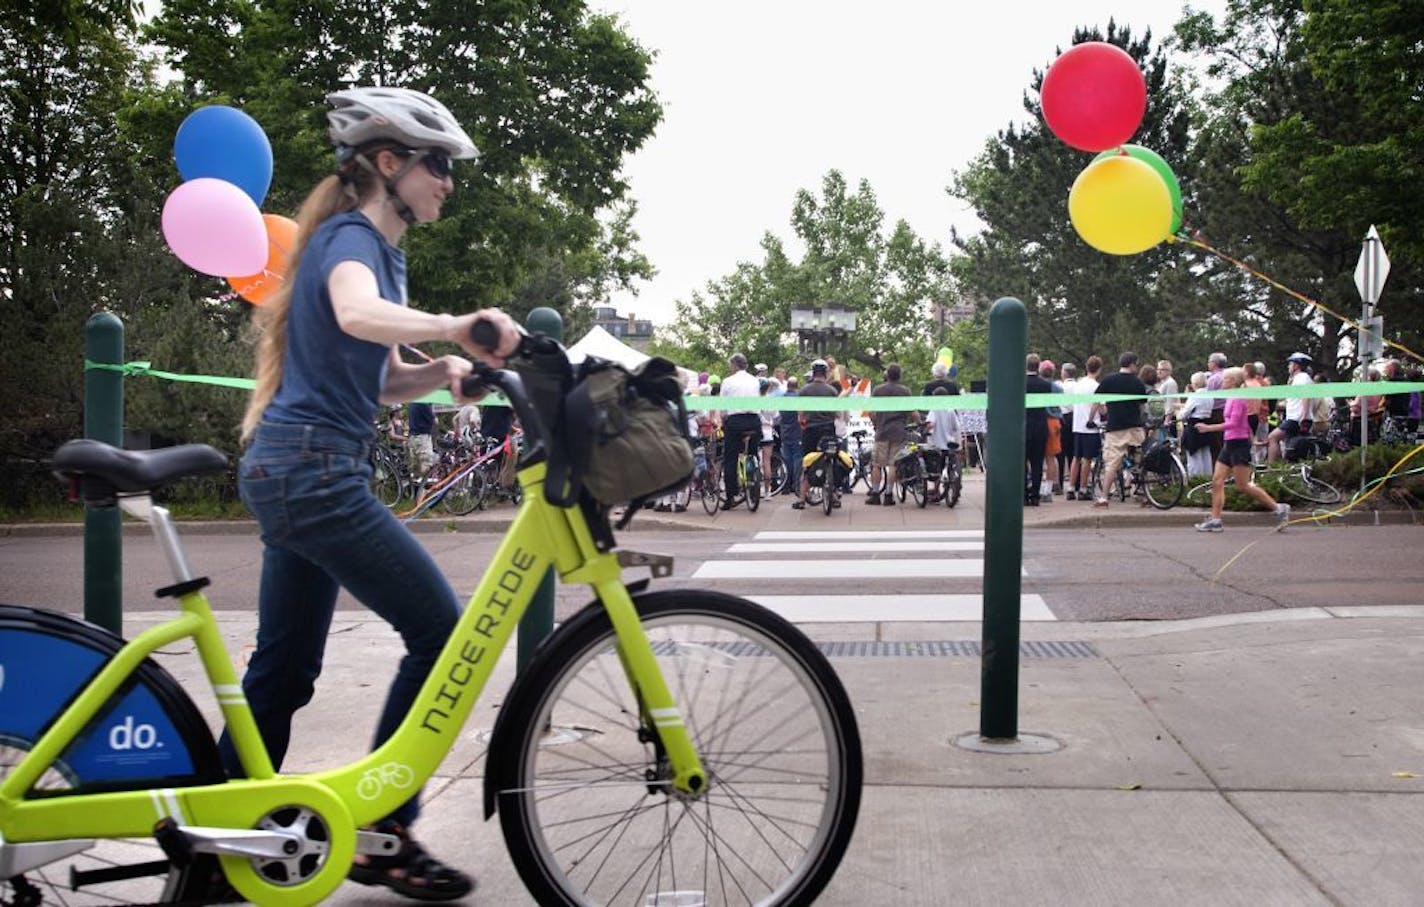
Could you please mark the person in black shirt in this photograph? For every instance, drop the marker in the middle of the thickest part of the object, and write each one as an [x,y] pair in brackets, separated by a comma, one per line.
[940,378]
[1124,426]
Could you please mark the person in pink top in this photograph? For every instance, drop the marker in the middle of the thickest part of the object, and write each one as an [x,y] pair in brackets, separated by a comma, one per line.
[1235,459]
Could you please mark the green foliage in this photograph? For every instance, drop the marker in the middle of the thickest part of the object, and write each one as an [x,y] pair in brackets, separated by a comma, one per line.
[1080,301]
[555,96]
[1310,141]
[1343,471]
[890,281]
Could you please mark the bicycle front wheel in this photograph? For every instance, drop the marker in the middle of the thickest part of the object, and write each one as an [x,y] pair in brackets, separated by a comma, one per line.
[1300,484]
[1165,489]
[465,493]
[594,820]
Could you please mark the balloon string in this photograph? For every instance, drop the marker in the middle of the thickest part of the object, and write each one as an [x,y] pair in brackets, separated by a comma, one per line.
[1317,516]
[1193,241]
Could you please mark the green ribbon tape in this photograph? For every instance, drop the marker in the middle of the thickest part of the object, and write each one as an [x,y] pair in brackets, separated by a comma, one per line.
[871,404]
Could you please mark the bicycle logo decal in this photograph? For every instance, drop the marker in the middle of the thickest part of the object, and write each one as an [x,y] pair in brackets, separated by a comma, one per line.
[375,780]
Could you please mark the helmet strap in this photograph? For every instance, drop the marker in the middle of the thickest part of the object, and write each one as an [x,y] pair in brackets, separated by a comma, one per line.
[397,203]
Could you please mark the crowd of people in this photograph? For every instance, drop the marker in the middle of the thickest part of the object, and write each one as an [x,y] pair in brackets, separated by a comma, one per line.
[758,432]
[1218,437]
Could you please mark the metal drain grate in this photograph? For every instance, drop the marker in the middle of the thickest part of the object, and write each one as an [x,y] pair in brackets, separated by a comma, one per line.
[952,649]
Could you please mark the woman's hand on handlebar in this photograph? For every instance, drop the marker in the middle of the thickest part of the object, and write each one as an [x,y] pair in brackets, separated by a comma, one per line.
[460,329]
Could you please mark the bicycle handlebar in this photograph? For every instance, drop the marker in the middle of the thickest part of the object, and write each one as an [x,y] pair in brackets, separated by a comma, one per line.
[508,382]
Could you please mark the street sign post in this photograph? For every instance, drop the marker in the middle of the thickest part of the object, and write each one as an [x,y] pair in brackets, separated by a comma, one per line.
[1371,271]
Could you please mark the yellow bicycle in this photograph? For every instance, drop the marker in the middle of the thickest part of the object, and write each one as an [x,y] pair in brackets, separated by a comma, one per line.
[707,751]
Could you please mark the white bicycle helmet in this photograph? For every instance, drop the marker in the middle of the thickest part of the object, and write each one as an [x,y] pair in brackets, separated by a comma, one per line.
[410,118]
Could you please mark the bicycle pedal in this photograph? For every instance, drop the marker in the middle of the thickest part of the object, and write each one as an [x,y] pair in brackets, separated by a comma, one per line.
[659,564]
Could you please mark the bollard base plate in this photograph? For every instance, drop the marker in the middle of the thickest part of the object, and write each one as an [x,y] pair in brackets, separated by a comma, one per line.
[1023,744]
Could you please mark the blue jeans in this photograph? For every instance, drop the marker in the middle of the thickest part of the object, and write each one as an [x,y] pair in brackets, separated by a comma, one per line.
[791,456]
[323,530]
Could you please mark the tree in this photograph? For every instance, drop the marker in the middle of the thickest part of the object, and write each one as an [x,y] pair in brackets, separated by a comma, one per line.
[1299,160]
[554,97]
[890,282]
[1080,301]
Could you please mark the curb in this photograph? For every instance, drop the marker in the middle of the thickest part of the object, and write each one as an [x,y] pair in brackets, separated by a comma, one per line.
[488,526]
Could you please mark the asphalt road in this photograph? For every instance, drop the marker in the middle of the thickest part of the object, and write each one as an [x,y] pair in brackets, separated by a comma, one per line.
[1119,573]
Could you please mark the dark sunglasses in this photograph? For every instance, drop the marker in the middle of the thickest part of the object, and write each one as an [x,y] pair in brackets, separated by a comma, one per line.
[439,164]
[435,161]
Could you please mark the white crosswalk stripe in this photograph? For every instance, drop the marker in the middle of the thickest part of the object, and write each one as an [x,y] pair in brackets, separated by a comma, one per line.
[826,566]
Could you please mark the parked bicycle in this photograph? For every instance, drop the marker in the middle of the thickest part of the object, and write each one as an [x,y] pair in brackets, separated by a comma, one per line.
[1296,480]
[1153,473]
[710,756]
[827,470]
[912,471]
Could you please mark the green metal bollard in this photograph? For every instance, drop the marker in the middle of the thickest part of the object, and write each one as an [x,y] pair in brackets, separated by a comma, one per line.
[104,421]
[1003,521]
[538,621]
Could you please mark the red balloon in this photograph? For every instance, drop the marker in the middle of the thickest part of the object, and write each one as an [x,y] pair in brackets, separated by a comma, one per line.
[1094,96]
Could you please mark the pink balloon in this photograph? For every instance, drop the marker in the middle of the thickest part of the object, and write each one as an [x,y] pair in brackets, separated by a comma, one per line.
[215,228]
[1094,96]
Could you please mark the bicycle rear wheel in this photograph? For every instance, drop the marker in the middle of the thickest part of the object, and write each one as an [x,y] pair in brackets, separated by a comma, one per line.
[954,483]
[595,821]
[152,718]
[914,482]
[1165,489]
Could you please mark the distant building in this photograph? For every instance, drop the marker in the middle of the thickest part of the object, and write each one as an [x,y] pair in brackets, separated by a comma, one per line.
[629,329]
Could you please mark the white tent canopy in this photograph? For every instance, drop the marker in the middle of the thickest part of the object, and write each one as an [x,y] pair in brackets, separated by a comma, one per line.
[598,342]
[604,345]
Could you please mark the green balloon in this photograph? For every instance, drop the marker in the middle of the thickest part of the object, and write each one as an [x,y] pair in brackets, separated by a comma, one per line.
[1155,161]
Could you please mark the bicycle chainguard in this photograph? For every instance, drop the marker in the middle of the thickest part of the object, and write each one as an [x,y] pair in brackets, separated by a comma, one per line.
[659,564]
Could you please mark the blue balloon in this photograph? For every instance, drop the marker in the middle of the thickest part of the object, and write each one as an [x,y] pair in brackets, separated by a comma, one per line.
[224,143]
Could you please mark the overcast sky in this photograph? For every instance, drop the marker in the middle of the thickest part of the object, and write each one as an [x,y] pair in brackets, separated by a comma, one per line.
[763,98]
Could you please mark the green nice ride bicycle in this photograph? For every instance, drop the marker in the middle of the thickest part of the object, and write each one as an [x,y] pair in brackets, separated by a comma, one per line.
[662,747]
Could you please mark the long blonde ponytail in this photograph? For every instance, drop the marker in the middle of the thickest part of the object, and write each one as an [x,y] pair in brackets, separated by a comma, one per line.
[269,323]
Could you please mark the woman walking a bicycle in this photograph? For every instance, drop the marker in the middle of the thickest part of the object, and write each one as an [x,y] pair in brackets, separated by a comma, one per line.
[326,360]
[1235,459]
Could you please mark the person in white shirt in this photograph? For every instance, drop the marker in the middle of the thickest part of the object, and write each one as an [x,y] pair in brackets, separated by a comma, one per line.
[1195,411]
[1299,410]
[741,425]
[1087,440]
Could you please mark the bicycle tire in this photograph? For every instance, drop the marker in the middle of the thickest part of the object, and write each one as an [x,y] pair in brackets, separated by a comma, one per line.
[707,491]
[751,487]
[1199,495]
[463,495]
[577,816]
[780,474]
[1165,489]
[1308,488]
[915,484]
[47,641]
[1095,478]
[828,491]
[386,481]
[954,485]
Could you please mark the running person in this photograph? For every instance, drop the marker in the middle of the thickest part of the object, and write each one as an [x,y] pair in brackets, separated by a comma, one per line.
[1235,456]
[326,360]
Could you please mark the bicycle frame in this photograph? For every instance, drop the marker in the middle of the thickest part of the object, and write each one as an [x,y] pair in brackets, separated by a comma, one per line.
[541,536]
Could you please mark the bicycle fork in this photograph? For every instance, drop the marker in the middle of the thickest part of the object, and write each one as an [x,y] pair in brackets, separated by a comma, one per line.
[640,665]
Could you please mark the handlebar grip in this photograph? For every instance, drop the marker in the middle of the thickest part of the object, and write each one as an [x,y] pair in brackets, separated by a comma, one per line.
[472,385]
[485,334]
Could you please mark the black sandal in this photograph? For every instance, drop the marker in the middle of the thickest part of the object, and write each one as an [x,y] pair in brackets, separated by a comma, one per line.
[420,876]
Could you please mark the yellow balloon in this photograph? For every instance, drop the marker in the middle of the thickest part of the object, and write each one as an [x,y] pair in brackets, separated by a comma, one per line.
[1121,206]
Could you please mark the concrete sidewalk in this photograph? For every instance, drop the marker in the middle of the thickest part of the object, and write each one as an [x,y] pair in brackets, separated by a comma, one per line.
[1257,759]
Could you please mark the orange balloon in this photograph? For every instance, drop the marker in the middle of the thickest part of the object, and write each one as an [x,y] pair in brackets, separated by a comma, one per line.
[281,240]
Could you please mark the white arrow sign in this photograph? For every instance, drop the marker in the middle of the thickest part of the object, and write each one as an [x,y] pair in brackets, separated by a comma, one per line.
[1372,269]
